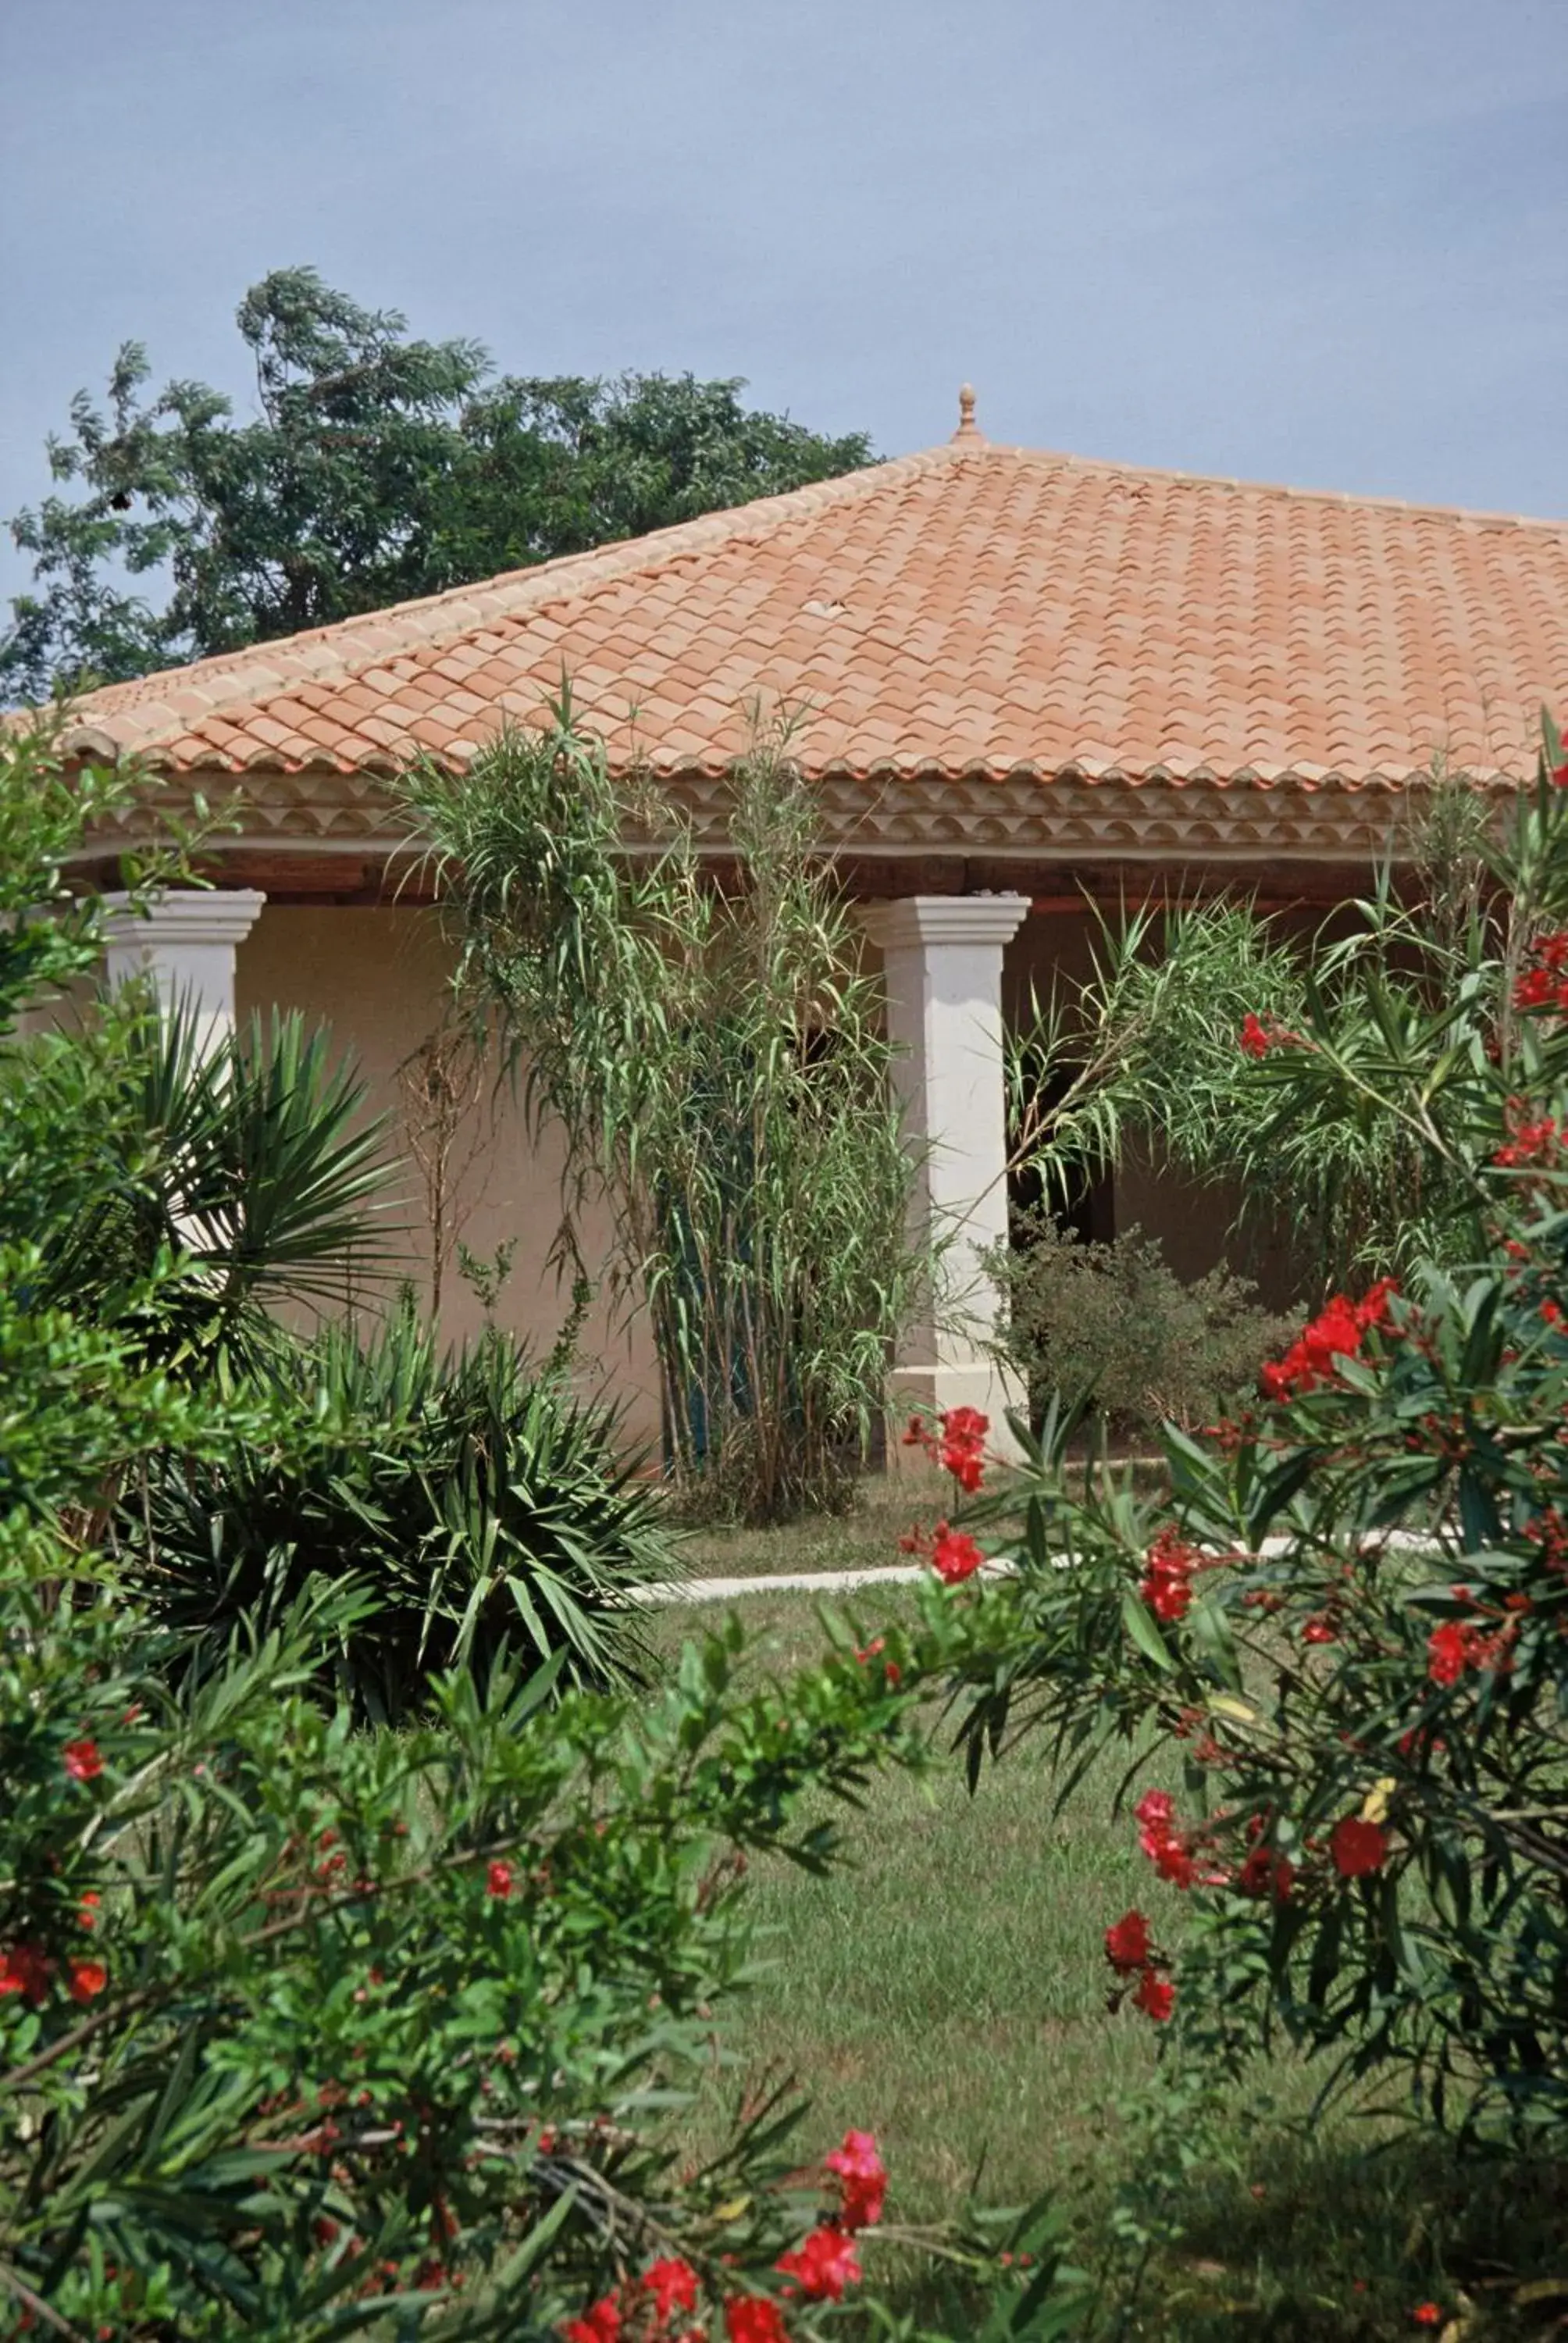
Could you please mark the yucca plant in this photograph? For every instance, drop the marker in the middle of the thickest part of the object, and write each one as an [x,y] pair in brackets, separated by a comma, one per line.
[253,1166]
[476,1502]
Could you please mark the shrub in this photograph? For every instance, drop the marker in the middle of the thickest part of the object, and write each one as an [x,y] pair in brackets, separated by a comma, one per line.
[1348,1636]
[1114,1325]
[480,1505]
[309,2029]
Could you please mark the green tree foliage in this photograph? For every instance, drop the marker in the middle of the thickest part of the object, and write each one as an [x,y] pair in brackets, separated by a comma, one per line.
[715,1056]
[379,468]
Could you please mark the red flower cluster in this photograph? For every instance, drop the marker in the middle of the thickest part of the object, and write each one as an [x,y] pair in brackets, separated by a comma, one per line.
[959,1449]
[1170,1850]
[1264,1871]
[83,1761]
[1534,1145]
[665,2288]
[824,2264]
[1544,983]
[1459,1644]
[26,1969]
[754,2319]
[1334,1334]
[1129,1953]
[862,2178]
[1357,1847]
[820,2267]
[1167,1583]
[498,1880]
[1256,1039]
[1127,1943]
[891,1672]
[954,1556]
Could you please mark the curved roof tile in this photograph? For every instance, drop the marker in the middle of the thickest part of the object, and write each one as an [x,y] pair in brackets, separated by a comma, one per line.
[971,611]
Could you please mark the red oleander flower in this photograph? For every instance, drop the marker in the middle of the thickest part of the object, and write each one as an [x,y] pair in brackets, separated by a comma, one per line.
[672,2282]
[83,1762]
[1255,1040]
[1156,1996]
[824,2264]
[1531,1144]
[1431,2314]
[600,2325]
[1334,1334]
[1448,1652]
[499,1879]
[1320,1629]
[1127,1943]
[962,1449]
[862,2179]
[87,1912]
[955,1556]
[1357,1847]
[25,1969]
[1168,1848]
[754,2319]
[1167,1583]
[88,1979]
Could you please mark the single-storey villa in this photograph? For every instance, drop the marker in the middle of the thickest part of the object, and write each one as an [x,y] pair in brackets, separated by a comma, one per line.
[1034,682]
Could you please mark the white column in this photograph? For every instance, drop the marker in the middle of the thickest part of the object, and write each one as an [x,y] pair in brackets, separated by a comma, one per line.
[185,943]
[941,958]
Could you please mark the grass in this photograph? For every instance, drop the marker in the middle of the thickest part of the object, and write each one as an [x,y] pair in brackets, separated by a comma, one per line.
[946,1988]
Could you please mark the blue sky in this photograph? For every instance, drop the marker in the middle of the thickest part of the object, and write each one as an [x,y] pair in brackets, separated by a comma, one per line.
[1322,241]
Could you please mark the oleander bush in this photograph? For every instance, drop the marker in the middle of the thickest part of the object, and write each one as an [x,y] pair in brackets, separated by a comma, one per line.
[310,2025]
[1337,1659]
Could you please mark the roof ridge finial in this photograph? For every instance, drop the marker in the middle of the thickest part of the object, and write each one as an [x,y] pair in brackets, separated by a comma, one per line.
[968,427]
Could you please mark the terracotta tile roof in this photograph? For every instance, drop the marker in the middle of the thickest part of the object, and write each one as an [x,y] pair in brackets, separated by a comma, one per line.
[974,611]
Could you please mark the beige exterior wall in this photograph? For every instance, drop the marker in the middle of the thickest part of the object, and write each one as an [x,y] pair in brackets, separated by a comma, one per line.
[377,976]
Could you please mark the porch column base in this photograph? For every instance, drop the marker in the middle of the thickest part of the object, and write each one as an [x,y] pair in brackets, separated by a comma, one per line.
[928,1392]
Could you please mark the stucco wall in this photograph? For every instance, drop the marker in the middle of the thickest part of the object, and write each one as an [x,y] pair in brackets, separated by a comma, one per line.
[377,976]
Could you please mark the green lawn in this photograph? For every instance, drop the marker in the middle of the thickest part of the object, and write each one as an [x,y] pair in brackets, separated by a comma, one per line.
[947,1990]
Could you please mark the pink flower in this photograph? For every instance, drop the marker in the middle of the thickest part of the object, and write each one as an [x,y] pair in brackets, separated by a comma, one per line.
[83,1762]
[673,2286]
[1357,1847]
[863,2181]
[955,1556]
[1127,1943]
[825,2264]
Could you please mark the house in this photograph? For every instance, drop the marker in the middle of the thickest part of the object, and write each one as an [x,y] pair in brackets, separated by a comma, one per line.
[1034,682]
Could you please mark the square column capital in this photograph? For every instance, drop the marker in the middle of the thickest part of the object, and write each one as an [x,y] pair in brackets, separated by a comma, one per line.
[184,940]
[181,918]
[916,922]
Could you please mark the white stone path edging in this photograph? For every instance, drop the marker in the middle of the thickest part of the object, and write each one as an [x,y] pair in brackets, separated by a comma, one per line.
[661,1592]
